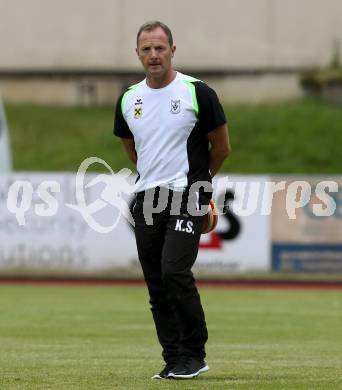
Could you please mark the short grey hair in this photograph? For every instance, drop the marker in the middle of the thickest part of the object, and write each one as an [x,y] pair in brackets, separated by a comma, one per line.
[150,26]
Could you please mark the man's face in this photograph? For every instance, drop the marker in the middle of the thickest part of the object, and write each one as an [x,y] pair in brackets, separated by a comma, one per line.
[155,52]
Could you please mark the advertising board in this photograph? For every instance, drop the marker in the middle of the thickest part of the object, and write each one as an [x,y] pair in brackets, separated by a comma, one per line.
[308,239]
[44,229]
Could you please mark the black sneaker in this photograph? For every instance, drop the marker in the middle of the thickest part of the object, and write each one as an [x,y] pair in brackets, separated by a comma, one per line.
[188,368]
[164,372]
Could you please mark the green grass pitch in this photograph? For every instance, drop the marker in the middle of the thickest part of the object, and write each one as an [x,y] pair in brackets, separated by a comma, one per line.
[103,338]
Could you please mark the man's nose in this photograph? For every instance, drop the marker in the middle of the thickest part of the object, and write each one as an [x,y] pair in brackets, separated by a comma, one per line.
[153,53]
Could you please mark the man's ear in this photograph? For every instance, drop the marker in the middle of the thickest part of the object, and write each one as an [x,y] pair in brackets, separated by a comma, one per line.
[173,49]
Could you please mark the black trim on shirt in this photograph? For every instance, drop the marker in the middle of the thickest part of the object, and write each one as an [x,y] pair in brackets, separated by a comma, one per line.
[210,117]
[121,128]
[210,111]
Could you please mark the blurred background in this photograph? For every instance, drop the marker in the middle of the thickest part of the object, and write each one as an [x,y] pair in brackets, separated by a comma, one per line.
[276,67]
[76,53]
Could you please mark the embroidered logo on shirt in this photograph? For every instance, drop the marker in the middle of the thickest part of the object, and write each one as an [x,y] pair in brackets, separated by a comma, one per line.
[137,112]
[138,109]
[175,106]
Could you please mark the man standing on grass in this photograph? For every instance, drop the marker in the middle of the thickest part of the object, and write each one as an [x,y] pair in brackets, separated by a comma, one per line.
[174,129]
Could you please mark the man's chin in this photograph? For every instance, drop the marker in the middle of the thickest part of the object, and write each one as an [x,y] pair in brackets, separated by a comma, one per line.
[155,69]
[155,72]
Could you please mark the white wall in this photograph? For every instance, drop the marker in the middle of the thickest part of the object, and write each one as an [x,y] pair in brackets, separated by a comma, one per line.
[216,34]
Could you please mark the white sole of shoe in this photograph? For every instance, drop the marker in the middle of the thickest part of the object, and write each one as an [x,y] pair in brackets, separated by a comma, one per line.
[193,375]
[157,376]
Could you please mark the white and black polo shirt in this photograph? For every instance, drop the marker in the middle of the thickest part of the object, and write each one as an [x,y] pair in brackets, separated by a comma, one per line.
[169,127]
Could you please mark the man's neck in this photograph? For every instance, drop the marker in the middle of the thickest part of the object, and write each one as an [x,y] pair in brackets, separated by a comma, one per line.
[157,83]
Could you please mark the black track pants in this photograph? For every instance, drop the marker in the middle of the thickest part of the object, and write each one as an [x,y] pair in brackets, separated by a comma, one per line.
[167,250]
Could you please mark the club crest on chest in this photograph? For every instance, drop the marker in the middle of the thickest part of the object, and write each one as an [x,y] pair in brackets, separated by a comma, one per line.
[175,106]
[137,112]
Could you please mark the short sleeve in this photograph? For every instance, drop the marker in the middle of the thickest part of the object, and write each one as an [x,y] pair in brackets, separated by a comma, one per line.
[210,111]
[121,128]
